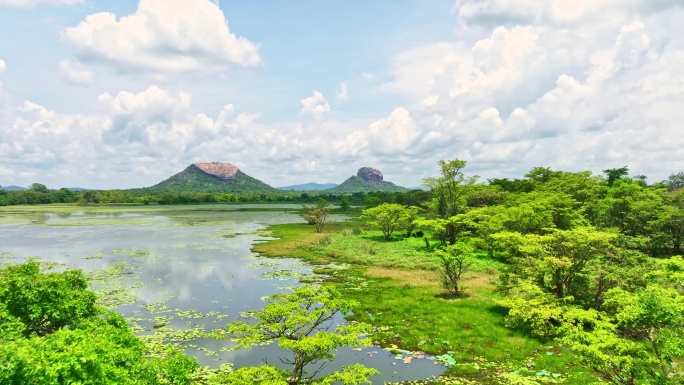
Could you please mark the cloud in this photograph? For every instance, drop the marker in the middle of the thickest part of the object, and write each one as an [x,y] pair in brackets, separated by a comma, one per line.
[394,134]
[76,73]
[140,138]
[33,3]
[163,36]
[342,93]
[315,105]
[2,66]
[553,83]
[556,13]
[524,84]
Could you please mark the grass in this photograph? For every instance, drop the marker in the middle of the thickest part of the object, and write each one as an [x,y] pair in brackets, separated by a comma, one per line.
[398,289]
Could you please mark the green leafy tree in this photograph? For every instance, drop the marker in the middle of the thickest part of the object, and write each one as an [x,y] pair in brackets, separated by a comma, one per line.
[668,226]
[410,220]
[560,262]
[449,193]
[455,260]
[675,181]
[389,217]
[372,201]
[44,303]
[64,195]
[53,333]
[542,174]
[584,187]
[39,188]
[344,204]
[639,340]
[614,174]
[300,322]
[317,215]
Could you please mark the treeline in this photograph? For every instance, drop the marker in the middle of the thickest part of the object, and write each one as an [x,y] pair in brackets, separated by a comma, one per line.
[39,194]
[592,261]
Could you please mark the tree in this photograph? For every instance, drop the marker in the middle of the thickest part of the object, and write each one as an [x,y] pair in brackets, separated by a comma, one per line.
[614,174]
[39,188]
[64,195]
[53,333]
[317,215]
[44,303]
[449,193]
[300,322]
[389,217]
[559,262]
[344,204]
[410,220]
[639,340]
[669,225]
[675,181]
[454,261]
[542,174]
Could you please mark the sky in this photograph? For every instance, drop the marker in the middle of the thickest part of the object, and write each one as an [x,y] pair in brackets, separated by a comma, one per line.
[124,94]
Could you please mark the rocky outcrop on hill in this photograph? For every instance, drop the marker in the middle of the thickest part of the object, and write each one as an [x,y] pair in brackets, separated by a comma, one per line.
[224,171]
[214,177]
[369,174]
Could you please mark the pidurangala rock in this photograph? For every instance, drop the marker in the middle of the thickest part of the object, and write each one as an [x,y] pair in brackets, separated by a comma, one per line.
[369,174]
[225,171]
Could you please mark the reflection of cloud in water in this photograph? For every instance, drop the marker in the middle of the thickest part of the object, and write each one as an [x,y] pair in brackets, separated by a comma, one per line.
[183,267]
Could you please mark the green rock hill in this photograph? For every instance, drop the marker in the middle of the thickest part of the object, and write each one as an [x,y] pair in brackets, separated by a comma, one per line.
[367,179]
[214,177]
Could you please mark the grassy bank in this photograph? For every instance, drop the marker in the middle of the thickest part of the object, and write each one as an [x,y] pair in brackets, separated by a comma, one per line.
[397,285]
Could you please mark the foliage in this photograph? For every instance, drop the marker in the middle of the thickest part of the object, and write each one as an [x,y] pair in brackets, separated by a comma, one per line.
[390,217]
[449,193]
[317,215]
[560,263]
[44,303]
[614,174]
[192,179]
[675,180]
[356,184]
[52,333]
[301,323]
[455,261]
[640,339]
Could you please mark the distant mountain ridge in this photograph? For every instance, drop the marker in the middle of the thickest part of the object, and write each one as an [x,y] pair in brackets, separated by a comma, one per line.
[311,186]
[224,177]
[13,188]
[213,177]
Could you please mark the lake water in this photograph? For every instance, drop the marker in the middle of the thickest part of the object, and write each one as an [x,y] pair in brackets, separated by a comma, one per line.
[176,272]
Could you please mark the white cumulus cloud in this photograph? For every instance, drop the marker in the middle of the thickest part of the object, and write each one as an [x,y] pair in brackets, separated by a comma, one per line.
[550,83]
[342,93]
[76,73]
[163,36]
[314,105]
[394,134]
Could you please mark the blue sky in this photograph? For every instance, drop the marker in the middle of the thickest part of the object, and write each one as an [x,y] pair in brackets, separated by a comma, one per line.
[105,94]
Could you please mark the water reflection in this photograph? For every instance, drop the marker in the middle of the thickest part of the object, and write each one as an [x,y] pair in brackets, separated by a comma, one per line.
[185,270]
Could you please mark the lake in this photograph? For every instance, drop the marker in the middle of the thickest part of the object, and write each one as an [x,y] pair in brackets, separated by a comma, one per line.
[176,272]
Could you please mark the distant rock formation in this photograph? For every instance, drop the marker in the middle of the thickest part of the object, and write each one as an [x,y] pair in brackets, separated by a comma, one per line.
[214,177]
[369,174]
[224,171]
